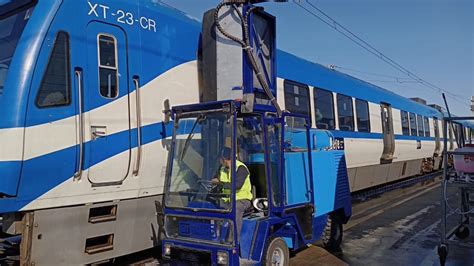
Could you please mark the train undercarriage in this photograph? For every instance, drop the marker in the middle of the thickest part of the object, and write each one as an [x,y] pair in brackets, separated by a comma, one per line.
[84,234]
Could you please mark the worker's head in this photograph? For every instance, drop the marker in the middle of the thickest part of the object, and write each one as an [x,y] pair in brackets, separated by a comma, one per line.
[226,157]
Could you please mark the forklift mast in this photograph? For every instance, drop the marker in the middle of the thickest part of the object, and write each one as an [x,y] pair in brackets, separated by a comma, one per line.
[237,55]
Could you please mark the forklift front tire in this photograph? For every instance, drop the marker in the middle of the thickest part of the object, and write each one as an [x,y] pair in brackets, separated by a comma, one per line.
[276,253]
[332,235]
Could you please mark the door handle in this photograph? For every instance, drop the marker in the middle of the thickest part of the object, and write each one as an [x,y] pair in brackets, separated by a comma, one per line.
[98,132]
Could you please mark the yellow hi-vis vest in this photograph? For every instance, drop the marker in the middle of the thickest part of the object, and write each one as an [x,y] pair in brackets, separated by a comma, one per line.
[245,192]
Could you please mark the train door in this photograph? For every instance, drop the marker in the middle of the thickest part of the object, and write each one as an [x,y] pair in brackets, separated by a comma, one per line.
[437,137]
[106,99]
[388,134]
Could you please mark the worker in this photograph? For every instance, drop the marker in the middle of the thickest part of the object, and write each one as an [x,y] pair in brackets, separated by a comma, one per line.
[243,195]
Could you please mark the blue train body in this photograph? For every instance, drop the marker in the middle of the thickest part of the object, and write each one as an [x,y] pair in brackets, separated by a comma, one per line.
[144,52]
[150,52]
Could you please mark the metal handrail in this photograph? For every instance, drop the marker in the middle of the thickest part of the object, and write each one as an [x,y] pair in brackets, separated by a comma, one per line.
[139,126]
[78,174]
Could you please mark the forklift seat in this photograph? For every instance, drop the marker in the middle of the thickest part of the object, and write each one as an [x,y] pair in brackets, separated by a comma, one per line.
[258,180]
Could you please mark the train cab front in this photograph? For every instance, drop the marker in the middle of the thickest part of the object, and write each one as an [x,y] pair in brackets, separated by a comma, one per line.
[17,49]
[199,204]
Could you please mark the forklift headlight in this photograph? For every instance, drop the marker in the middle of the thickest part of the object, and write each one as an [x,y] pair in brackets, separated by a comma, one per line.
[222,258]
[167,251]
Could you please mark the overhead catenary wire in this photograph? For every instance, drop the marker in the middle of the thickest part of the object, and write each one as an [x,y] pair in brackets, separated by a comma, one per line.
[325,18]
[394,79]
[365,72]
[329,21]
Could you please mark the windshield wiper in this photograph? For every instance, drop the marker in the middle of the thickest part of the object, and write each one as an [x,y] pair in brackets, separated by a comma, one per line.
[190,136]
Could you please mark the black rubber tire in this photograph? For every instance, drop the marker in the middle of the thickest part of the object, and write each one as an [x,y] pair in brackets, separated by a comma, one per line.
[462,232]
[442,254]
[276,245]
[332,235]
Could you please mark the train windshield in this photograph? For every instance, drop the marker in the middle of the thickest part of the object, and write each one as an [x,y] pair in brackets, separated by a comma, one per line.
[199,145]
[13,19]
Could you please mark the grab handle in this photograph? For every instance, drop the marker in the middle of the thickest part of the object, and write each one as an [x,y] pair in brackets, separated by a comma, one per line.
[136,82]
[78,75]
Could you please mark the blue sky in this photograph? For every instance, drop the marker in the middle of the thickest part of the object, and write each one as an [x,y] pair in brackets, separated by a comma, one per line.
[432,38]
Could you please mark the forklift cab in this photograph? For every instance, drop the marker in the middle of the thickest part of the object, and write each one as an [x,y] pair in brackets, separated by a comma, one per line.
[200,217]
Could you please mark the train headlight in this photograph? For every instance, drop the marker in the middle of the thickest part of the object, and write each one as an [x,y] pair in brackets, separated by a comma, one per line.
[222,258]
[167,251]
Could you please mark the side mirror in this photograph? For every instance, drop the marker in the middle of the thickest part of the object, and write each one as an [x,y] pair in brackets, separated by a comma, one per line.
[167,111]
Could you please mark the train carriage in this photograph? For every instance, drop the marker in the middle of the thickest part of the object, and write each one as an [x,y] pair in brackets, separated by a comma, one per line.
[386,137]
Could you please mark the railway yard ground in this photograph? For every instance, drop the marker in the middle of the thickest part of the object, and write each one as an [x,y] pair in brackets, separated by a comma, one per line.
[401,227]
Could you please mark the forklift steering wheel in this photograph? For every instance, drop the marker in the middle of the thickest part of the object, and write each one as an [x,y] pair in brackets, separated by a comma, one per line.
[210,187]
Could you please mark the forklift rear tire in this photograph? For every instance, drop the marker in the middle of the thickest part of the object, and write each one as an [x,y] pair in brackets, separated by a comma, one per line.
[332,235]
[276,253]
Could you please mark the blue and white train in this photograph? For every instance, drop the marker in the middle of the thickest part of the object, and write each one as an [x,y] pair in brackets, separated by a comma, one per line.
[386,137]
[84,93]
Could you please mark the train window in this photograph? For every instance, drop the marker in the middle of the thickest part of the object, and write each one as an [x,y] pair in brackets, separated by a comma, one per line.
[405,123]
[427,126]
[363,118]
[413,124]
[419,119]
[108,66]
[55,89]
[296,98]
[324,109]
[346,114]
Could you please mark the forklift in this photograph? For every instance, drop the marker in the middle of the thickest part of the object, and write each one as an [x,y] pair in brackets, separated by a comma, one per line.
[298,176]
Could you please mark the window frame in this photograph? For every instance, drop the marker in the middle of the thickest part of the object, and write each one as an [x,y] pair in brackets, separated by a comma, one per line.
[315,95]
[420,126]
[300,85]
[408,123]
[366,103]
[426,125]
[68,73]
[415,128]
[116,68]
[352,111]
